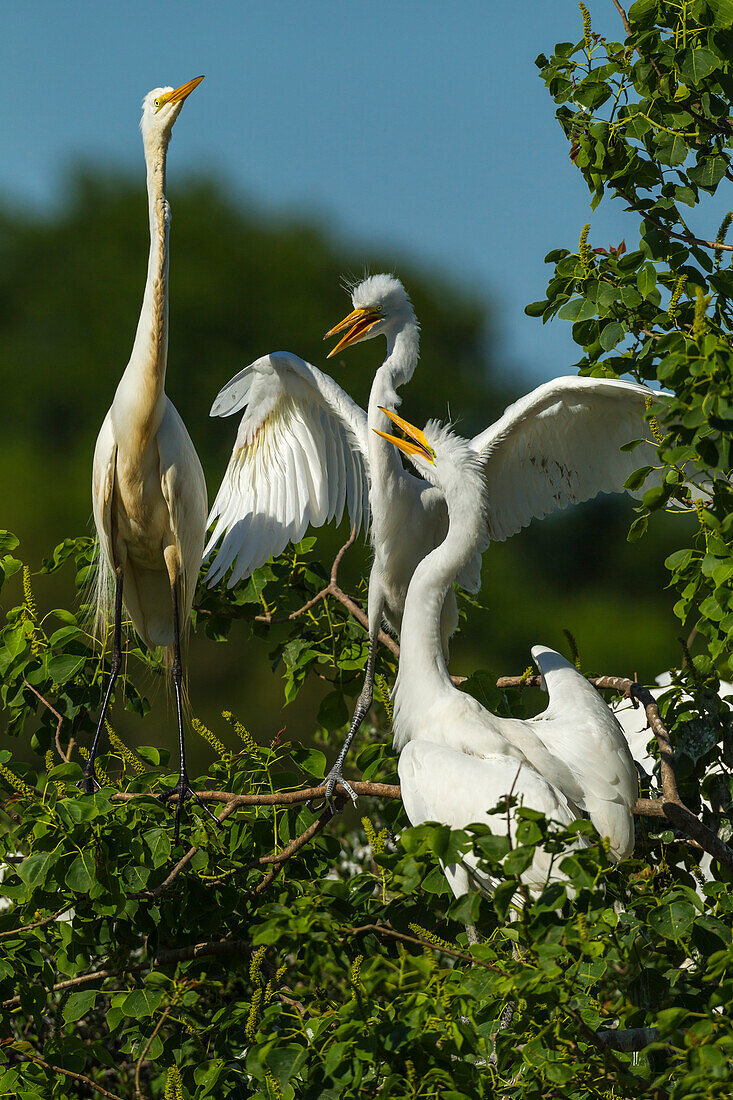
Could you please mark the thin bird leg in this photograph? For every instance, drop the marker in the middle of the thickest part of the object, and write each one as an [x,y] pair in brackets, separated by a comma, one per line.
[90,783]
[363,704]
[182,788]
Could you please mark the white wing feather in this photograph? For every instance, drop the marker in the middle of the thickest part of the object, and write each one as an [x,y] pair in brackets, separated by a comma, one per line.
[299,460]
[559,445]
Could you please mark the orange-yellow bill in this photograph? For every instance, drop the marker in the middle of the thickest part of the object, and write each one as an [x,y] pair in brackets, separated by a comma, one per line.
[179,94]
[358,323]
[416,444]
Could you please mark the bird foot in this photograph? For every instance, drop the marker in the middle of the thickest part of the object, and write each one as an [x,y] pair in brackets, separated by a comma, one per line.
[184,791]
[334,777]
[89,784]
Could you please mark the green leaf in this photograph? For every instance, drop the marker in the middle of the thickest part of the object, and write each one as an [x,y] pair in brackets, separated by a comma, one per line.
[8,542]
[672,921]
[82,874]
[34,869]
[698,64]
[579,309]
[611,334]
[65,666]
[78,1005]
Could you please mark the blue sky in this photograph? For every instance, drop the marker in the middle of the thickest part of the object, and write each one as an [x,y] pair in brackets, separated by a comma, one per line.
[418,125]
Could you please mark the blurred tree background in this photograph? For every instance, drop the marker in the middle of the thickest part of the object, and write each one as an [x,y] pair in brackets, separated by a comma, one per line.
[242,284]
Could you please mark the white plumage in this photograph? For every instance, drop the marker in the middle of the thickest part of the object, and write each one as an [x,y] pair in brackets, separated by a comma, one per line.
[148,488]
[304,452]
[457,758]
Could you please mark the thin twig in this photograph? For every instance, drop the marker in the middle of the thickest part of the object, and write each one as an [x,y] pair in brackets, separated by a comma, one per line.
[385,930]
[146,1048]
[67,1073]
[64,755]
[36,924]
[689,238]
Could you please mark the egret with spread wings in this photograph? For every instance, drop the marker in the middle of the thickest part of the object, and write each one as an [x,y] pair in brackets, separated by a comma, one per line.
[304,454]
[148,488]
[457,759]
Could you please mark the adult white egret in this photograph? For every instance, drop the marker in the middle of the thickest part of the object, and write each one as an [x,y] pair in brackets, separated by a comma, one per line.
[304,452]
[457,758]
[148,487]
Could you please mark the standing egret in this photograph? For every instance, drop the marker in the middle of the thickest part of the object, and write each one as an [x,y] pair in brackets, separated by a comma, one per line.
[304,452]
[148,488]
[457,758]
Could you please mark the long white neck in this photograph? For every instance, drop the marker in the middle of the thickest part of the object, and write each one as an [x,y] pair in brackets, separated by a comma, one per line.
[142,386]
[385,465]
[423,675]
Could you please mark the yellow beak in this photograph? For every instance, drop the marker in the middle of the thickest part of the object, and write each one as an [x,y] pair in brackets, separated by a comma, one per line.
[417,444]
[358,322]
[179,94]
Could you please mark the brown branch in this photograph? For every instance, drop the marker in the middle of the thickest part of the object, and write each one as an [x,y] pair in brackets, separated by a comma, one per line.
[688,238]
[182,863]
[670,805]
[278,798]
[385,930]
[624,17]
[629,32]
[278,858]
[36,924]
[67,1073]
[138,1065]
[64,755]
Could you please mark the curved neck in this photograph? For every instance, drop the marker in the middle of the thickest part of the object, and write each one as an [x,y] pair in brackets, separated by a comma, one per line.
[423,672]
[144,379]
[403,349]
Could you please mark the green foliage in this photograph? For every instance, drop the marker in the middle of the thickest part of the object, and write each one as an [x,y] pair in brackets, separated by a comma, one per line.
[288,955]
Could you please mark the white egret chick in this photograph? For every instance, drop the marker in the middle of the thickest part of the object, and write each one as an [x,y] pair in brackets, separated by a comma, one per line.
[457,759]
[148,487]
[304,453]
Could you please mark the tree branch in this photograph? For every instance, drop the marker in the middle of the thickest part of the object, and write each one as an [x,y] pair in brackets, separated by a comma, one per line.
[36,924]
[67,1073]
[689,238]
[64,755]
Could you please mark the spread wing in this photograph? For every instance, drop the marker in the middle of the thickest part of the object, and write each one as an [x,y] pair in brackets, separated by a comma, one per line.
[299,461]
[559,445]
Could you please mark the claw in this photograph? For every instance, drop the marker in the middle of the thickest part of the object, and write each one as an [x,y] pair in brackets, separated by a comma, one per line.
[185,791]
[336,776]
[89,784]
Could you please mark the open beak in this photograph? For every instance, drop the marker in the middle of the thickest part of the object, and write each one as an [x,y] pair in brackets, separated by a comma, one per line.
[179,94]
[358,323]
[416,444]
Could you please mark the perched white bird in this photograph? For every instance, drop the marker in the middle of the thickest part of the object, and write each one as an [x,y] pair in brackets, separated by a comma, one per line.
[457,759]
[304,453]
[148,487]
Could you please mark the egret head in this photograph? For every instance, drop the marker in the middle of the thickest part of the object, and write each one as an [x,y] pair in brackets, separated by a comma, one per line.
[161,108]
[443,458]
[381,305]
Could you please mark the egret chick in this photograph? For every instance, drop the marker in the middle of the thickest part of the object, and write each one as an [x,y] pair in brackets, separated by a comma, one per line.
[457,759]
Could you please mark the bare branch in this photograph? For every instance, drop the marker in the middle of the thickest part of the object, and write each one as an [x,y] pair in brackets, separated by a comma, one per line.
[36,924]
[67,1073]
[385,930]
[64,755]
[279,798]
[138,1065]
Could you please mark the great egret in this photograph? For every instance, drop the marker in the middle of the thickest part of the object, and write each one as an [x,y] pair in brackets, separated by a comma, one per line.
[457,758]
[148,487]
[304,452]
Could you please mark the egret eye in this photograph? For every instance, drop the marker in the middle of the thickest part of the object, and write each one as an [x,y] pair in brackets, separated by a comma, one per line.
[157,104]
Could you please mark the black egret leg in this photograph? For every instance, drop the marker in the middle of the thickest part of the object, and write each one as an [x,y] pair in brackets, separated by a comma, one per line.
[363,704]
[182,788]
[89,783]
